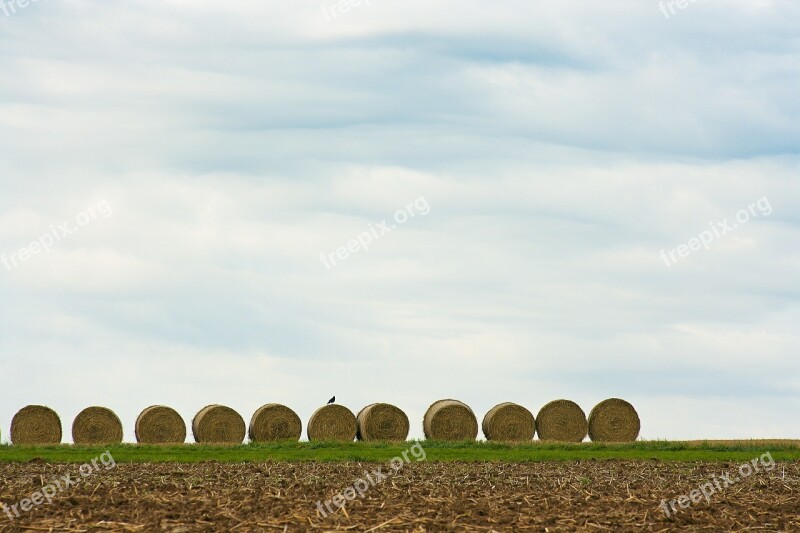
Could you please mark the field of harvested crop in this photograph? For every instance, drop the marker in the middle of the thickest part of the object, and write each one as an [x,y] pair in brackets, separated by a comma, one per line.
[422,496]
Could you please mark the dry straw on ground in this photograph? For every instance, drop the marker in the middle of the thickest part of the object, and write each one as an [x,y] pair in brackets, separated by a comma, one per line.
[613,420]
[97,425]
[332,423]
[561,421]
[275,422]
[218,424]
[277,496]
[159,424]
[509,422]
[382,422]
[450,420]
[35,425]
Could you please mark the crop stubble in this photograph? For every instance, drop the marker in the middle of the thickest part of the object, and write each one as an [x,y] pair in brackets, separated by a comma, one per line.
[271,496]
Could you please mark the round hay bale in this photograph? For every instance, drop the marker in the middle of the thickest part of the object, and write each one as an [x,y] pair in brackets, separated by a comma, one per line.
[450,420]
[382,422]
[219,425]
[274,422]
[35,425]
[613,420]
[332,423]
[159,424]
[509,422]
[561,421]
[97,425]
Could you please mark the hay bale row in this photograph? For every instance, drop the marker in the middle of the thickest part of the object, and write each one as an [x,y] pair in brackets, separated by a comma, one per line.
[612,420]
[157,424]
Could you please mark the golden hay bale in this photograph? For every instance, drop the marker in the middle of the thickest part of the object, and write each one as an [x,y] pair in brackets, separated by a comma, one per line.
[159,424]
[613,420]
[450,420]
[219,425]
[562,421]
[274,422]
[97,425]
[381,421]
[509,422]
[35,425]
[332,423]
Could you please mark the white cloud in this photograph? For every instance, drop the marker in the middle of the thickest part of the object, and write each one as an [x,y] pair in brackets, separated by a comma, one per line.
[560,146]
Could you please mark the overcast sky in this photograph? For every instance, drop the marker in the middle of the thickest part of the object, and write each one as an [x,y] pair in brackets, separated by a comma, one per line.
[571,173]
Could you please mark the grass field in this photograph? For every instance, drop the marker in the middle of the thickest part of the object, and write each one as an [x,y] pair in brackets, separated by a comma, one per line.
[781,450]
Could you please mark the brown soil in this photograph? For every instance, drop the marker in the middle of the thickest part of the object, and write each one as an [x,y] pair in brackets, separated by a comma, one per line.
[584,496]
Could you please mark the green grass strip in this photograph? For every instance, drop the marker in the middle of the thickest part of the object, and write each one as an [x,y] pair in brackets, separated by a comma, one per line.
[739,451]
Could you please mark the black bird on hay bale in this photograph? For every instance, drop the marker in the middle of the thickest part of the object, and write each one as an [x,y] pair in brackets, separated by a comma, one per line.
[332,400]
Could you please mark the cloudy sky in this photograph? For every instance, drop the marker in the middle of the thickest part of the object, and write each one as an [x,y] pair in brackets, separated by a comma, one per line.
[596,199]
